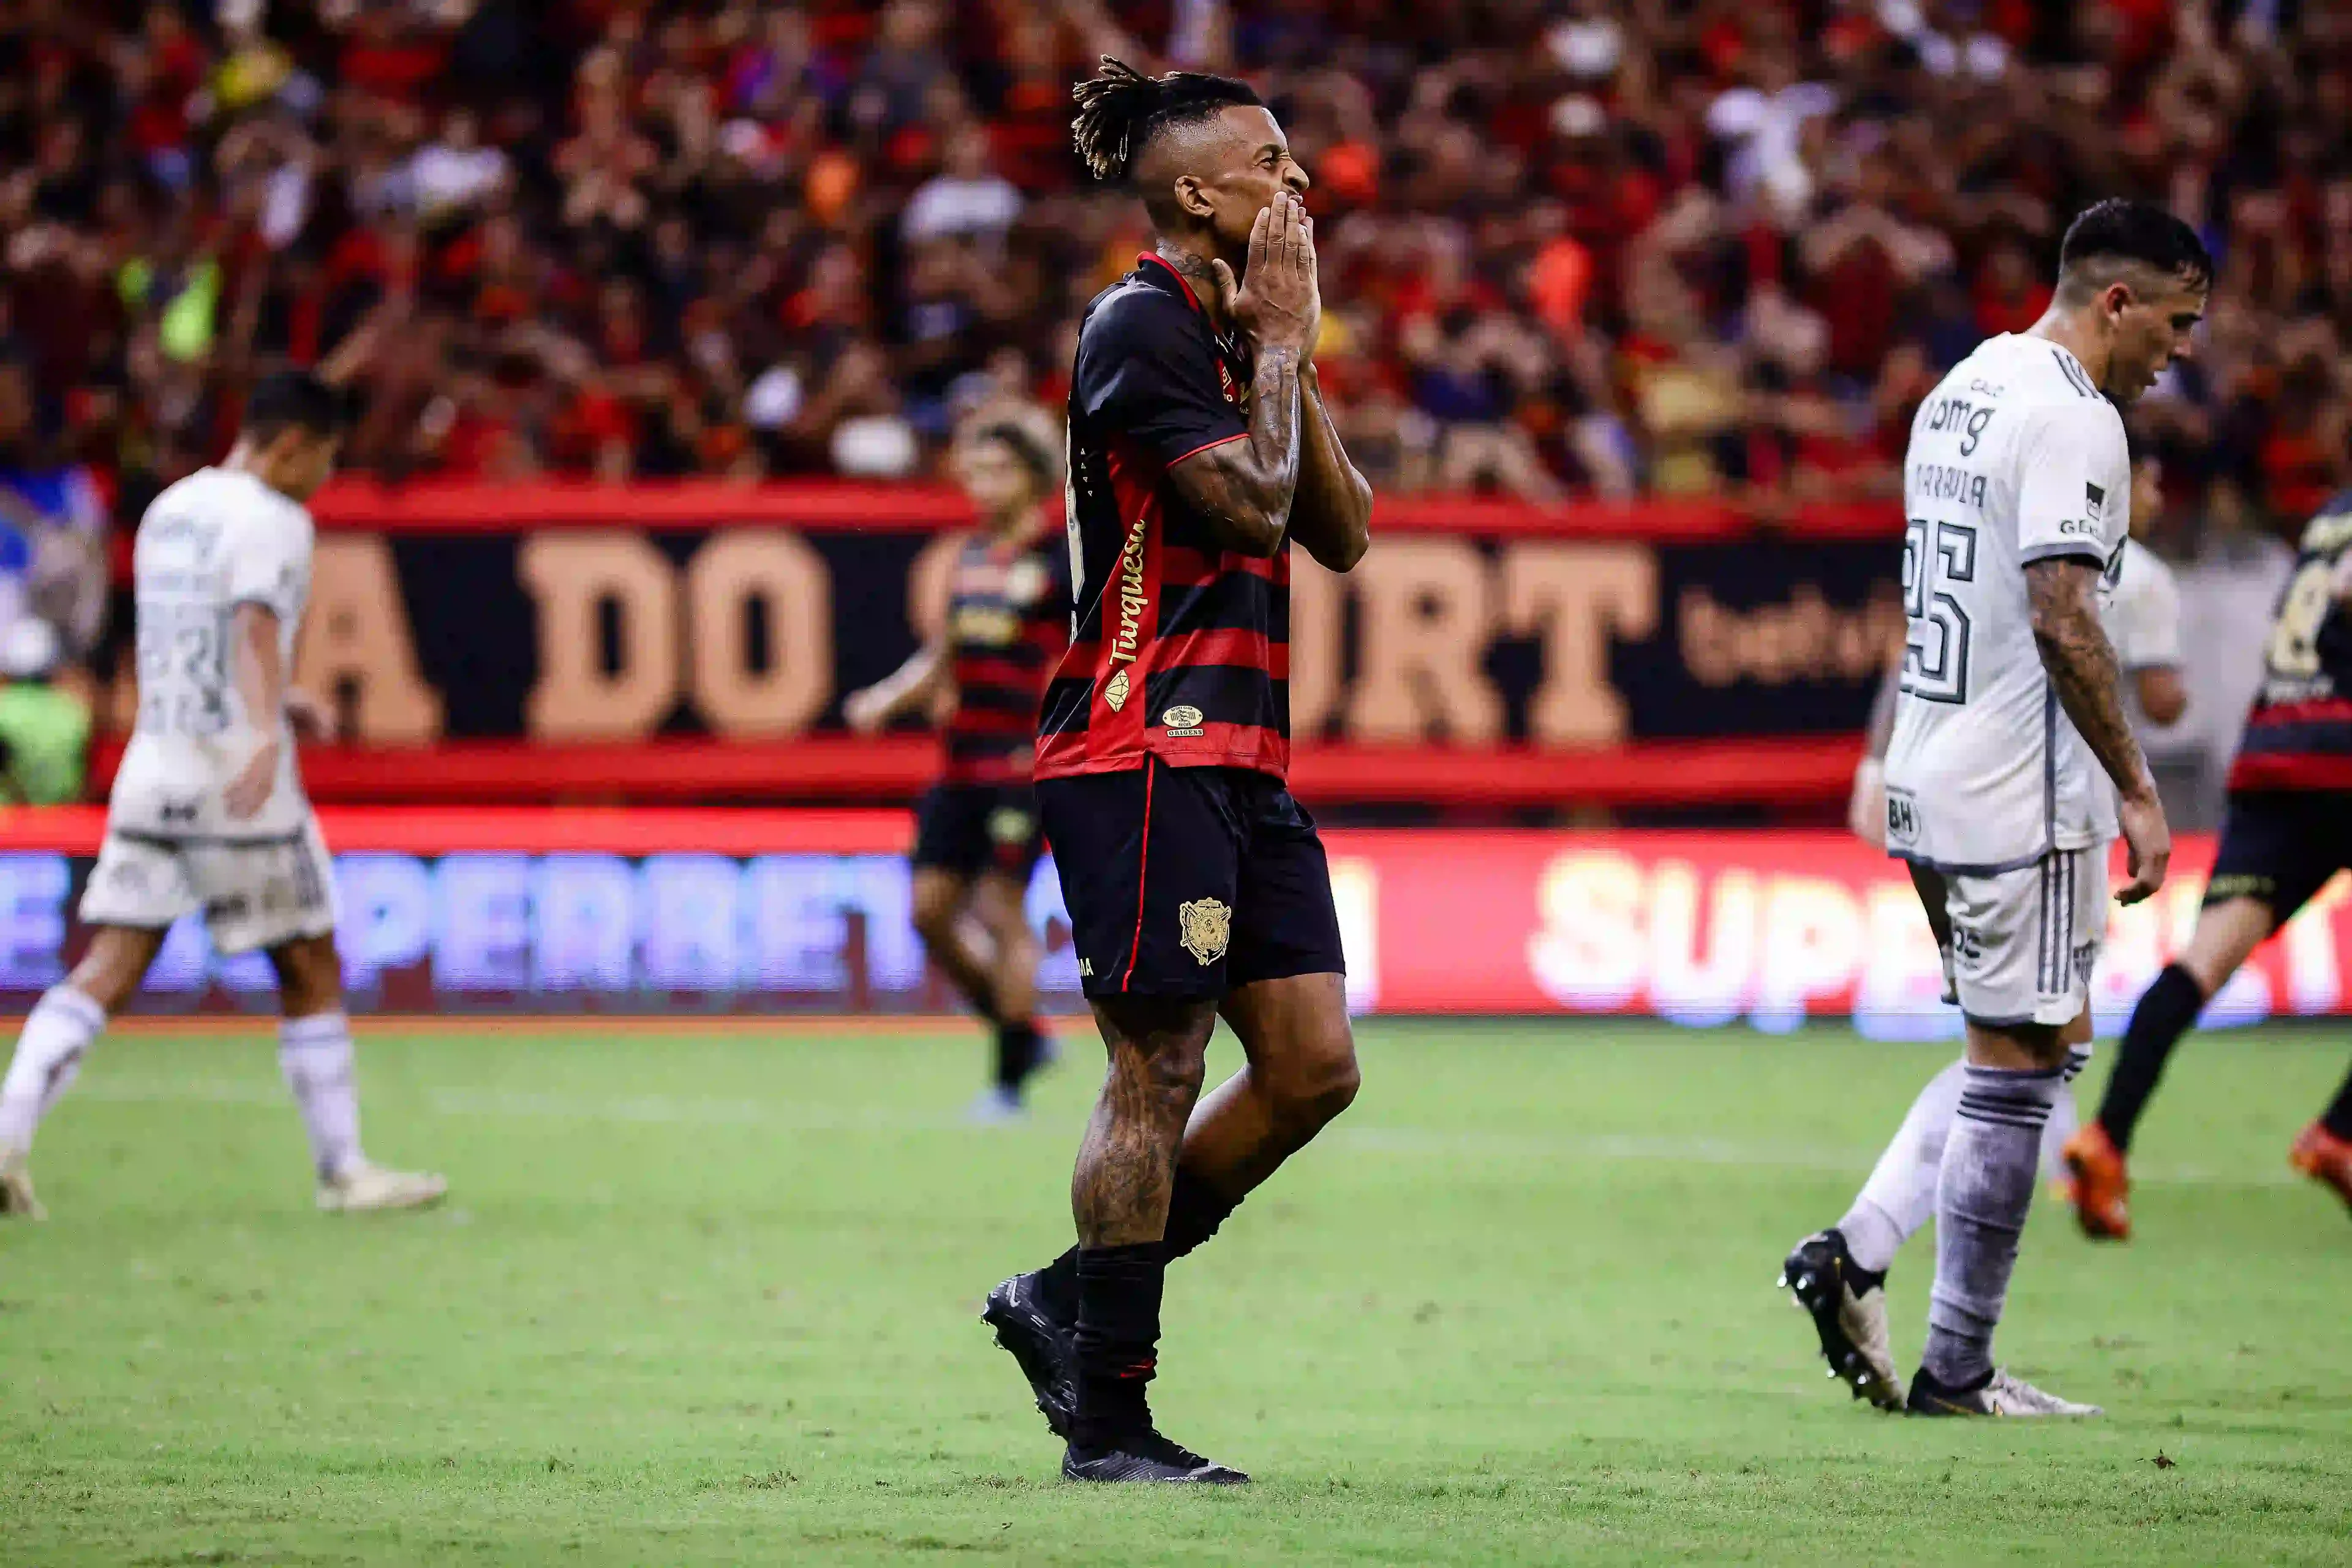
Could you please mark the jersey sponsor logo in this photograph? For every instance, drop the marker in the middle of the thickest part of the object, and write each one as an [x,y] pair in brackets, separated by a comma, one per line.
[1115,693]
[1206,926]
[1086,969]
[1959,414]
[986,626]
[1183,720]
[1902,818]
[2095,498]
[1133,600]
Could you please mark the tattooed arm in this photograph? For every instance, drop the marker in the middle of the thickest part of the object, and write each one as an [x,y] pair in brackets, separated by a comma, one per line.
[2084,672]
[1244,489]
[1333,512]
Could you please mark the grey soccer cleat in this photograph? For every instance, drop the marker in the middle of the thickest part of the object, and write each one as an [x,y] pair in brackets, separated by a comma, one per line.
[1848,1307]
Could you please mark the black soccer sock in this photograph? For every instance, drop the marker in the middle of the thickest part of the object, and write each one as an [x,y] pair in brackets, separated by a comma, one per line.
[1195,1210]
[2337,1117]
[1117,1342]
[2166,1010]
[1057,1287]
[1017,1049]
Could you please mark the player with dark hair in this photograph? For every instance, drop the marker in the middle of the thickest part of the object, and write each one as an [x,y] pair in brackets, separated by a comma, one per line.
[976,834]
[209,811]
[2288,832]
[1199,449]
[2010,767]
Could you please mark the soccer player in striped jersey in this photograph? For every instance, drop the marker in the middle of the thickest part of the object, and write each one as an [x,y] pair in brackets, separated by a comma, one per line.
[2288,832]
[2012,765]
[976,834]
[1199,450]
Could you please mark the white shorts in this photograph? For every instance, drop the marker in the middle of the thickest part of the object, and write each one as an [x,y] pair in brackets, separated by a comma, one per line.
[254,892]
[2019,946]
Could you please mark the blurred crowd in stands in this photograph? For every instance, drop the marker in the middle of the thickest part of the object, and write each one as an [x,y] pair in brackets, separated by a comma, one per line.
[1570,248]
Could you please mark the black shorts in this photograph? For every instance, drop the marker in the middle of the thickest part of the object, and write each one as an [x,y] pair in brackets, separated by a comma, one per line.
[972,828]
[2280,847]
[1188,882]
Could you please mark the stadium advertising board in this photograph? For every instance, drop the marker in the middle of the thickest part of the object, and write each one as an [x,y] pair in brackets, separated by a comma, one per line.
[459,614]
[755,911]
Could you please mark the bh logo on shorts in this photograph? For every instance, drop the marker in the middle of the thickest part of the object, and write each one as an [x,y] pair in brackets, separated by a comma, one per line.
[1902,818]
[1207,926]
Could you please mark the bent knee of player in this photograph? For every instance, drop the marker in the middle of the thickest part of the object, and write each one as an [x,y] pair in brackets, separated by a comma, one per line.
[2227,934]
[938,899]
[116,962]
[310,976]
[1318,1078]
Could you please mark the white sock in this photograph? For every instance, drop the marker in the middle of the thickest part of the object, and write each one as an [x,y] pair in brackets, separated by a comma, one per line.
[1900,1195]
[1899,1199]
[58,1031]
[315,1053]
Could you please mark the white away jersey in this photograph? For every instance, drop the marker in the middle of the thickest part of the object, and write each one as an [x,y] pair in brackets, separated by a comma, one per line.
[2014,457]
[216,540]
[2143,611]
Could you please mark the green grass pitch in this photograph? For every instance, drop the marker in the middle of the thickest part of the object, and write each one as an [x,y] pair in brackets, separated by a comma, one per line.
[709,1298]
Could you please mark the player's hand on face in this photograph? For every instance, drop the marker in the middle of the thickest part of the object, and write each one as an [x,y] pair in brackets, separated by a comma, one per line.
[1277,303]
[2147,838]
[312,719]
[249,791]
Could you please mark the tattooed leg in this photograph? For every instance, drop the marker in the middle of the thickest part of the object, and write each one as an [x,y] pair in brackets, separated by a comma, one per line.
[1118,1194]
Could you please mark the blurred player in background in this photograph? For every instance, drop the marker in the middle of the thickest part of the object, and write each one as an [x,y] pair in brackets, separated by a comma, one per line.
[976,834]
[2288,832]
[2143,619]
[209,811]
[2010,762]
[1199,449]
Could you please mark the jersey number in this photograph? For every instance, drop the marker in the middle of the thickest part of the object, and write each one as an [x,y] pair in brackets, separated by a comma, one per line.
[182,643]
[1936,653]
[2294,639]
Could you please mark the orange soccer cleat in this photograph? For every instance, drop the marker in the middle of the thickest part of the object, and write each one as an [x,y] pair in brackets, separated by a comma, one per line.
[2097,1184]
[2324,1157]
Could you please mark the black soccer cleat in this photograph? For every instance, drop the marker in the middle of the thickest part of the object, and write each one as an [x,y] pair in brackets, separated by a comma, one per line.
[1848,1306]
[1996,1393]
[1044,1347]
[1149,1457]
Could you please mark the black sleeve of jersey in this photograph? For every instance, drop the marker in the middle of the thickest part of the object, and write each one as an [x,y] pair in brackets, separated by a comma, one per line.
[1145,368]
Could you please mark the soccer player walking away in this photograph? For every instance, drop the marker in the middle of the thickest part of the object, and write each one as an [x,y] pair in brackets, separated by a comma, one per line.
[976,834]
[208,810]
[2009,768]
[2288,832]
[1199,449]
[2142,616]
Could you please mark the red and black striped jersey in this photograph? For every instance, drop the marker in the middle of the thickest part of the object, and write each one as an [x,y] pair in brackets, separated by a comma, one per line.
[1008,622]
[2299,734]
[1182,647]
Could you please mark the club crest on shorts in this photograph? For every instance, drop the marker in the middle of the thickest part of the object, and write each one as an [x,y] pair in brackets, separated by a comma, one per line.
[1115,692]
[1183,720]
[1206,925]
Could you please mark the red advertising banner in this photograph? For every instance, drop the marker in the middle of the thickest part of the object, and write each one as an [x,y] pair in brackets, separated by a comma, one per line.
[1709,928]
[755,911]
